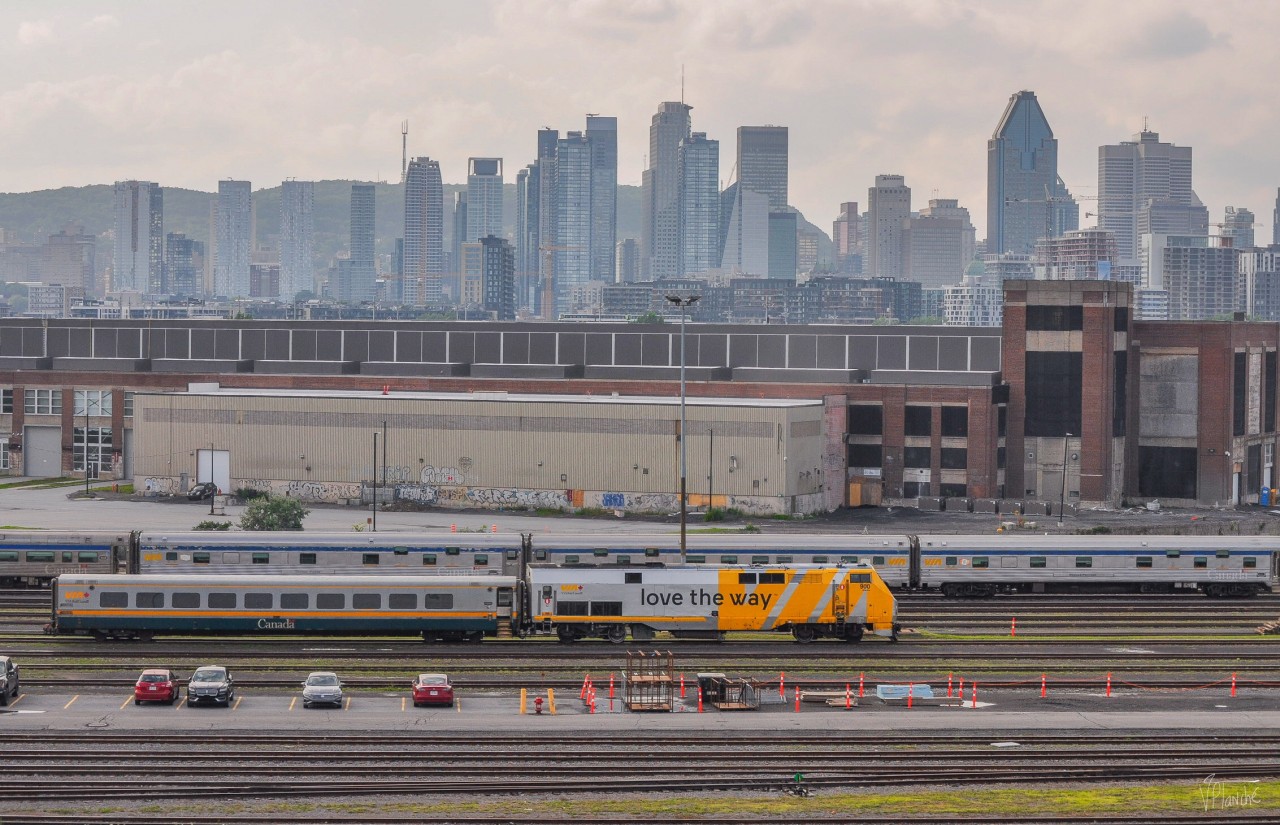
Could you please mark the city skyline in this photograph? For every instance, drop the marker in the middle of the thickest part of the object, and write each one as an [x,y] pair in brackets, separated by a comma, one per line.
[195,110]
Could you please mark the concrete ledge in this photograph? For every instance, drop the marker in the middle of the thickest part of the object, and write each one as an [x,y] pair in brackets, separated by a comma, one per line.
[526,370]
[17,362]
[768,374]
[102,364]
[639,373]
[201,365]
[307,367]
[415,368]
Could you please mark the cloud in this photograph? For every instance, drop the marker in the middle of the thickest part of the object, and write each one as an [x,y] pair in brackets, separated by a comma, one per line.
[1175,35]
[35,32]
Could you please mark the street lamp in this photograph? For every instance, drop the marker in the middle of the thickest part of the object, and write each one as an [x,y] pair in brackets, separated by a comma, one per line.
[684,303]
[1062,498]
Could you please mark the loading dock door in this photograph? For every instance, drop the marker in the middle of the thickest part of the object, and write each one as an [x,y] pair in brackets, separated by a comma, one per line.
[42,452]
[215,466]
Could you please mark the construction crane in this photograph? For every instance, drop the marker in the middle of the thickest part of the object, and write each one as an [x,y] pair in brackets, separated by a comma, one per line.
[1049,200]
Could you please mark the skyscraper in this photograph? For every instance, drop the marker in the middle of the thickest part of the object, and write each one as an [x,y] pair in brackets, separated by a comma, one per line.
[233,242]
[423,233]
[889,205]
[746,244]
[139,242]
[699,174]
[362,281]
[602,135]
[183,264]
[297,230]
[844,236]
[629,260]
[484,198]
[660,230]
[1026,199]
[455,267]
[783,245]
[573,226]
[1144,187]
[1275,220]
[762,163]
[1237,225]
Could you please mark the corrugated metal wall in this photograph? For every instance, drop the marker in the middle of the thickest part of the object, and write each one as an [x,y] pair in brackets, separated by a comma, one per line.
[767,450]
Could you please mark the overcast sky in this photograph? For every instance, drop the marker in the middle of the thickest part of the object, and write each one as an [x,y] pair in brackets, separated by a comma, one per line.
[185,94]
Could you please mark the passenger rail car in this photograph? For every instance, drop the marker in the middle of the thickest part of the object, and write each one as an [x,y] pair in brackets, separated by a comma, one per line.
[34,557]
[707,602]
[138,607]
[957,565]
[329,553]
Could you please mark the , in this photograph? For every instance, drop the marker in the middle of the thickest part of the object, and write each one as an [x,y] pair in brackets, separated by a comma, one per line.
[322,688]
[156,685]
[432,689]
[211,684]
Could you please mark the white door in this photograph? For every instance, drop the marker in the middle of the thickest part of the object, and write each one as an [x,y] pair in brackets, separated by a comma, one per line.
[215,466]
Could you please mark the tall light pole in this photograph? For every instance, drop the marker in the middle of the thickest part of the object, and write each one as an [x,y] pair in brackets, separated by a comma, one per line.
[684,303]
[1062,497]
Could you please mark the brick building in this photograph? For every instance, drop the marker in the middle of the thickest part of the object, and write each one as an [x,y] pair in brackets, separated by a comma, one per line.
[1070,386]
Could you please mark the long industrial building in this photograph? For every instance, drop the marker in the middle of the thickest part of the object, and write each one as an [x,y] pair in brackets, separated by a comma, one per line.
[1072,398]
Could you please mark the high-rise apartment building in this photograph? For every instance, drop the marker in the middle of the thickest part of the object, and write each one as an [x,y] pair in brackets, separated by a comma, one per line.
[498,283]
[1082,255]
[297,233]
[1198,274]
[1026,199]
[602,136]
[484,198]
[1258,287]
[184,260]
[423,233]
[1144,187]
[68,260]
[889,206]
[139,237]
[1237,225]
[699,174]
[660,230]
[951,208]
[762,163]
[361,281]
[233,241]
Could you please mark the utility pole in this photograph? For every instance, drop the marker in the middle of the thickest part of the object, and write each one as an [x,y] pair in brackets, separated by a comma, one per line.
[684,304]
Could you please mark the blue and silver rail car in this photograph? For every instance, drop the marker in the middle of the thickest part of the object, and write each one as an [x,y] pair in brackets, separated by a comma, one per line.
[295,552]
[34,557]
[142,606]
[977,566]
[889,554]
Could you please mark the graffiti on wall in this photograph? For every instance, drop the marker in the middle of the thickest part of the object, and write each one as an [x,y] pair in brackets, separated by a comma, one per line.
[159,486]
[321,490]
[456,496]
[441,475]
[639,502]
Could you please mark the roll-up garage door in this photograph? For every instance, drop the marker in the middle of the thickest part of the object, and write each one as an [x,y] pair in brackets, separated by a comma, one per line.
[42,452]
